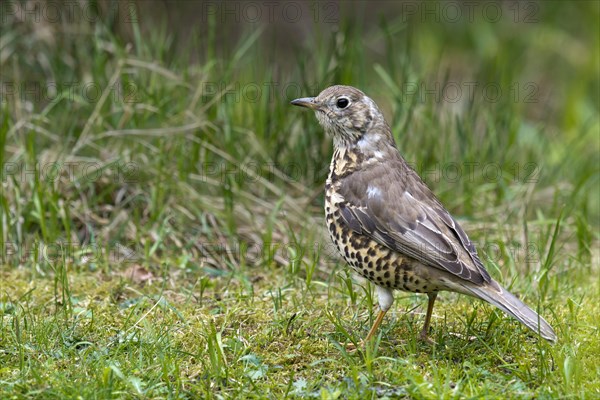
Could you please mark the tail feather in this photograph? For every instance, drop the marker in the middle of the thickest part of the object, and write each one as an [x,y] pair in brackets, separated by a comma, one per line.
[514,307]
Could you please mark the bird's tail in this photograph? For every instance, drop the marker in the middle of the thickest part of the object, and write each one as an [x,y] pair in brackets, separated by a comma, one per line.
[507,302]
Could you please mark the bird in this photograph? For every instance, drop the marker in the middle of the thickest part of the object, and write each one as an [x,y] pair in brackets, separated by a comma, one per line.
[387,224]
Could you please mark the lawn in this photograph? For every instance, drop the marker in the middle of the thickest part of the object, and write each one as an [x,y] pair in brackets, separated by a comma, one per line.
[161,211]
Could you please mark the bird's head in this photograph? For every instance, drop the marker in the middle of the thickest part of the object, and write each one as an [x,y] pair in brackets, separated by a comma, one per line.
[347,114]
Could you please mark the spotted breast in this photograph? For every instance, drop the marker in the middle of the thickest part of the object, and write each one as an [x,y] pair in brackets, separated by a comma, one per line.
[368,258]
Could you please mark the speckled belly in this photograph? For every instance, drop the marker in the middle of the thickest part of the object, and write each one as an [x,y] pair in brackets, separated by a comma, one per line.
[375,262]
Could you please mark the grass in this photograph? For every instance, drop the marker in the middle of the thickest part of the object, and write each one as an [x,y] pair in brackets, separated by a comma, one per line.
[161,205]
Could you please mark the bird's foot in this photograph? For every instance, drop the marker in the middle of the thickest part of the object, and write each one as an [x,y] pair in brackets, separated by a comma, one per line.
[424,337]
[351,347]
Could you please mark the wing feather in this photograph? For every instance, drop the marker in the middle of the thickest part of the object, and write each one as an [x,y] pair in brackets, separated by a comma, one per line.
[408,218]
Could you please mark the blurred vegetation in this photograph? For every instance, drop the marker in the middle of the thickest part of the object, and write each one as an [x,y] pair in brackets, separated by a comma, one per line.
[161,204]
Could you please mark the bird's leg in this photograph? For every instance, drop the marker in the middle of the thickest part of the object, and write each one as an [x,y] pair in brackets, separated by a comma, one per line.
[425,331]
[376,324]
[386,298]
[372,331]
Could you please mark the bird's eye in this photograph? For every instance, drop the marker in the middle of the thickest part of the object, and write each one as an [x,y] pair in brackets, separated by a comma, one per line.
[342,102]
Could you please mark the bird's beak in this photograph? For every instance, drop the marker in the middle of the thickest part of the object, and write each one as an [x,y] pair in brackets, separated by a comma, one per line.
[308,102]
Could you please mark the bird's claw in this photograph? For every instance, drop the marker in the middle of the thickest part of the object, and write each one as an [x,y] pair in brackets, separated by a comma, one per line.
[426,339]
[351,347]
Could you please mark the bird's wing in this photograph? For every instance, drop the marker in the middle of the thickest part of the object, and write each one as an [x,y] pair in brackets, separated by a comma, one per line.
[391,204]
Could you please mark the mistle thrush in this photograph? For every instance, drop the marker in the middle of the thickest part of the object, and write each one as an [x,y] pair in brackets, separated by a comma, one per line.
[388,225]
